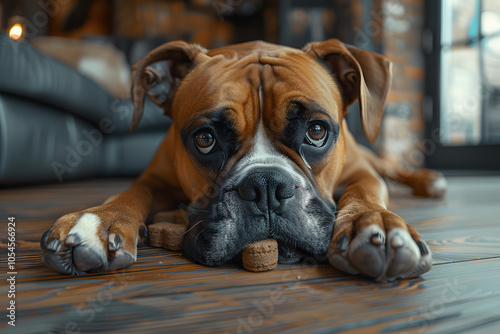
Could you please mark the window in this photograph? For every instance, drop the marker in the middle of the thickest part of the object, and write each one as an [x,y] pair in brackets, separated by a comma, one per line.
[462,45]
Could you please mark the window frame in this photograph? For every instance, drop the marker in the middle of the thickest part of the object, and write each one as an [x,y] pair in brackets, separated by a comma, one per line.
[475,157]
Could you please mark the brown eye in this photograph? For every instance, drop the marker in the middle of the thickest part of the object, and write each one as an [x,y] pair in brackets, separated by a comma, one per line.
[316,135]
[204,141]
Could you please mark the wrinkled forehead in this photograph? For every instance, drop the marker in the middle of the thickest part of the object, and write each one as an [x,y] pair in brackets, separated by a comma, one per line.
[256,87]
[297,79]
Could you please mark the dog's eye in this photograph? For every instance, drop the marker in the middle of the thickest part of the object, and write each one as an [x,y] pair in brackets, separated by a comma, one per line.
[316,135]
[204,141]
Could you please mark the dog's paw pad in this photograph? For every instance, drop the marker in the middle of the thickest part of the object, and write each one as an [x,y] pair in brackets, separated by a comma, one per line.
[336,256]
[424,262]
[403,261]
[86,259]
[341,263]
[369,260]
[121,260]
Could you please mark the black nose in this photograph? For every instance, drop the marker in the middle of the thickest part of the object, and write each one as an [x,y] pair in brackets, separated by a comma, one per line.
[268,188]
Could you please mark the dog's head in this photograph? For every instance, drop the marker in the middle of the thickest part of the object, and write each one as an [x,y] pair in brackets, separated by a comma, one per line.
[258,137]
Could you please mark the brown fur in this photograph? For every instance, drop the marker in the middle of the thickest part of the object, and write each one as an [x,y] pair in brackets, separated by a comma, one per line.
[329,74]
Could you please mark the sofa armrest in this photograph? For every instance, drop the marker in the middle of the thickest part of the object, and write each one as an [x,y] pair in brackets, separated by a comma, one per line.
[41,144]
[36,77]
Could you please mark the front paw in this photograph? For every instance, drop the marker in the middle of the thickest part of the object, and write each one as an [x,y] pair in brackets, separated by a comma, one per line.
[79,243]
[379,245]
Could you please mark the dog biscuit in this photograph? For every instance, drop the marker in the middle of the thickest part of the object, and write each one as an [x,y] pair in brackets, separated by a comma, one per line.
[167,230]
[260,256]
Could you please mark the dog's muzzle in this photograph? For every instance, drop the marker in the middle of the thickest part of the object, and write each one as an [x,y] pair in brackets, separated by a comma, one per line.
[266,202]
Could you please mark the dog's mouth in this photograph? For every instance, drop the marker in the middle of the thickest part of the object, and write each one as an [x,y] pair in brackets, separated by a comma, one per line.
[219,236]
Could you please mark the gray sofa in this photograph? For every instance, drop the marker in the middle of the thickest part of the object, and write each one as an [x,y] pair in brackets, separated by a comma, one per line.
[57,125]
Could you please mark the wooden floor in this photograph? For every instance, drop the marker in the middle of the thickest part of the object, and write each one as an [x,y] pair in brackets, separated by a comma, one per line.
[164,292]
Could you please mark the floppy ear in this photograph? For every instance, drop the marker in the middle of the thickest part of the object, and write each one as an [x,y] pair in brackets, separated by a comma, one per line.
[159,74]
[362,75]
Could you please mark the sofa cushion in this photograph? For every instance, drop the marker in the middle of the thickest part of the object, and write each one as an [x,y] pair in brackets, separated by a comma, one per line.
[27,73]
[39,143]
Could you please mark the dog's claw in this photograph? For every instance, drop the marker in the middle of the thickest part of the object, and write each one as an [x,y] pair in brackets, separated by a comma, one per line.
[114,242]
[54,245]
[377,239]
[43,240]
[73,240]
[422,247]
[341,244]
[143,231]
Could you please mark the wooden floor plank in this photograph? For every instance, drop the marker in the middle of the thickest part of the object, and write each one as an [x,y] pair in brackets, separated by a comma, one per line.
[465,225]
[165,292]
[452,296]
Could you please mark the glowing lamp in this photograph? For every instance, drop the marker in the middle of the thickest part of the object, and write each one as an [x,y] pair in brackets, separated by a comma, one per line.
[16,31]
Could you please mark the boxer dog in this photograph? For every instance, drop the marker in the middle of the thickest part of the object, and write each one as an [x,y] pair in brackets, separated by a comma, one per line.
[257,147]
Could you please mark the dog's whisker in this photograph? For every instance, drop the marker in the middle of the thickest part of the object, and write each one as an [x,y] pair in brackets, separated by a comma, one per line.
[199,222]
[198,236]
[347,214]
[344,216]
[342,210]
[199,210]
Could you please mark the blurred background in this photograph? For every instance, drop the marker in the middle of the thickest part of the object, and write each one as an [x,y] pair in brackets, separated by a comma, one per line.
[65,111]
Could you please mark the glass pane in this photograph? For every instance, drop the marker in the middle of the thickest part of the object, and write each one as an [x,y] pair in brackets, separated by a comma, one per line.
[490,17]
[491,89]
[459,21]
[460,96]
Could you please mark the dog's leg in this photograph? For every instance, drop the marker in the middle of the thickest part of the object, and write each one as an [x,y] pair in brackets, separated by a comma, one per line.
[424,182]
[368,238]
[105,237]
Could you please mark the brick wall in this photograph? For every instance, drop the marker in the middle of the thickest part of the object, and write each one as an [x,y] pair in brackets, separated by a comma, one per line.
[403,125]
[393,27]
